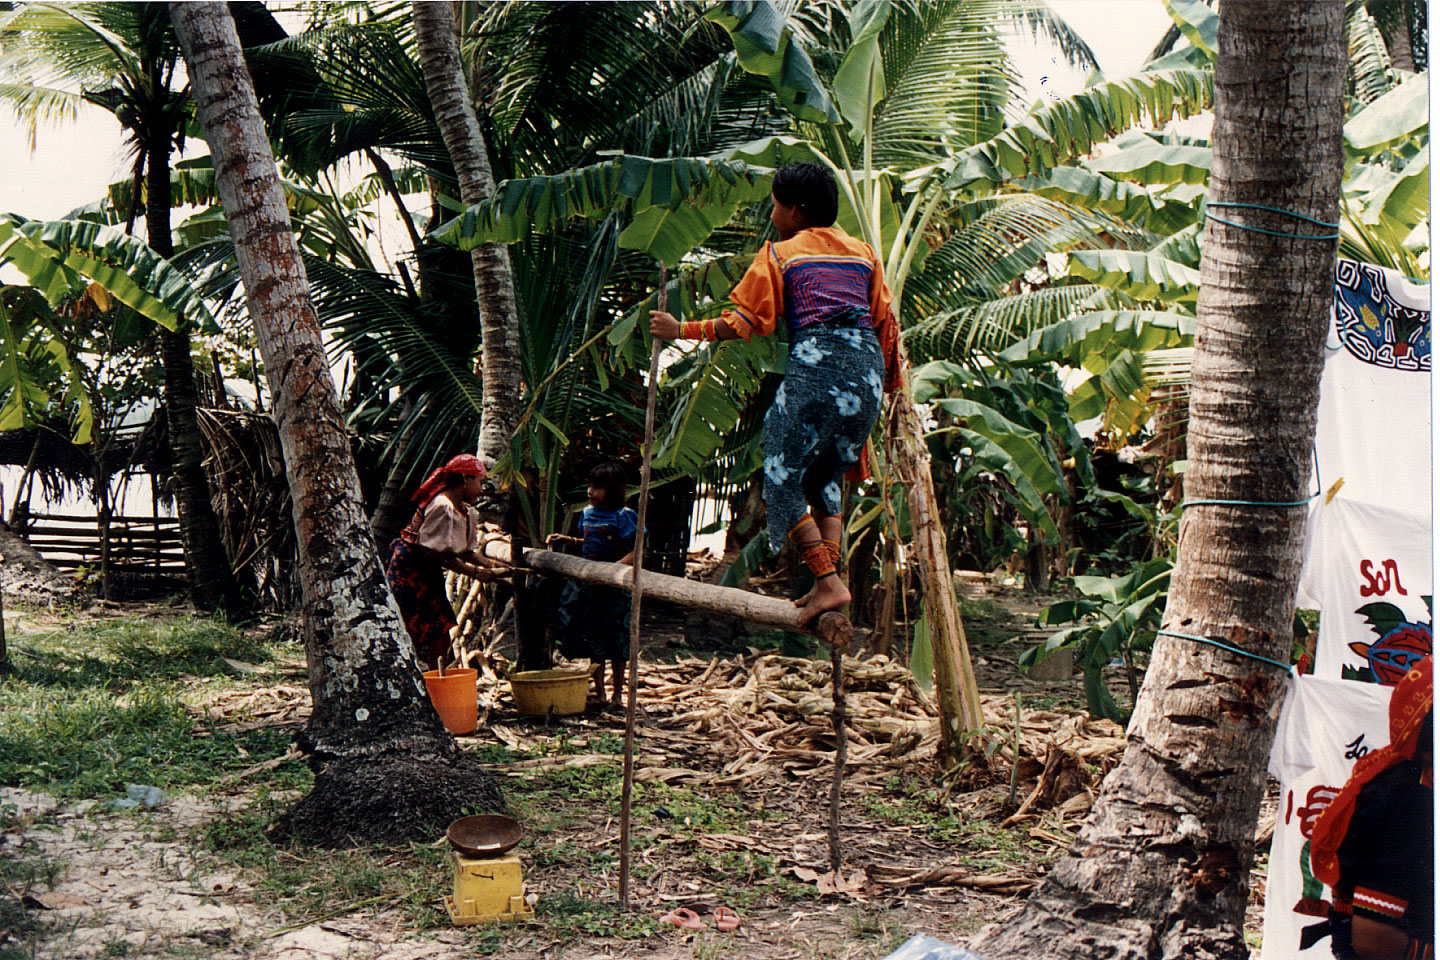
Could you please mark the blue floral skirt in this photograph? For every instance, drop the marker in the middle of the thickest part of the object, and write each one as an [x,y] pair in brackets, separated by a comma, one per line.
[817,428]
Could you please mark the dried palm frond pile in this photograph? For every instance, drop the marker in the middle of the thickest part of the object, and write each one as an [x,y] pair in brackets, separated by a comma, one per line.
[769,716]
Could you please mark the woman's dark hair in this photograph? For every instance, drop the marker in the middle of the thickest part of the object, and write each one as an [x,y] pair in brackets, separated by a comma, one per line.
[810,187]
[610,477]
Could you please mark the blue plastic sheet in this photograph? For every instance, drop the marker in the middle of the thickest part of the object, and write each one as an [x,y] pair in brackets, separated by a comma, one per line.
[921,947]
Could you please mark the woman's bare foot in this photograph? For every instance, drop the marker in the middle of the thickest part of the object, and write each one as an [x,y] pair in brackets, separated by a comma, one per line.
[829,594]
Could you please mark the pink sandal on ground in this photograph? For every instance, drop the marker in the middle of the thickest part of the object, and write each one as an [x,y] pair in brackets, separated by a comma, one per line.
[685,918]
[726,919]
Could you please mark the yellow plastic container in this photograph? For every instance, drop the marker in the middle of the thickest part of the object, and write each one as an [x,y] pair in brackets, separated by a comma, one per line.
[488,890]
[540,693]
[455,698]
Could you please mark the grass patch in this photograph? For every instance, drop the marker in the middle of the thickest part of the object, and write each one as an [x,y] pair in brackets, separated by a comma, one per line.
[305,884]
[570,917]
[88,709]
[983,844]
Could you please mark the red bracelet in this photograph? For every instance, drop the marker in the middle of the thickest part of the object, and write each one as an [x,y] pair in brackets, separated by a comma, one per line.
[698,330]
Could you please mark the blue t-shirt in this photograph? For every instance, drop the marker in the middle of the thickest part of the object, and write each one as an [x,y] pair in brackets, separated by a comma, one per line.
[607,534]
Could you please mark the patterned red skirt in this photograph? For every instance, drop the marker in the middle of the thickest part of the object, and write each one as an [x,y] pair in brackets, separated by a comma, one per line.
[418,582]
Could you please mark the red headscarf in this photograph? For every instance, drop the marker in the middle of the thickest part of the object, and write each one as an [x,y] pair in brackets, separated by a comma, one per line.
[1412,701]
[465,465]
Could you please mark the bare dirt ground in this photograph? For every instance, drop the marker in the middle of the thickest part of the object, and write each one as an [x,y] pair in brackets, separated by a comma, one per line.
[735,760]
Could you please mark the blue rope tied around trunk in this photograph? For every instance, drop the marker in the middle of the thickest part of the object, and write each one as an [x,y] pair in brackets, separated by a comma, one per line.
[1186,504]
[1225,646]
[1274,233]
[1288,213]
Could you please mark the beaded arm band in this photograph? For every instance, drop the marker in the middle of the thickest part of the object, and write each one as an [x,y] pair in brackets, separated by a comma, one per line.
[698,330]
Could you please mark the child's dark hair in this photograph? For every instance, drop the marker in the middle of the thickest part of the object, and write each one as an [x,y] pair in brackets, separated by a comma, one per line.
[610,477]
[810,187]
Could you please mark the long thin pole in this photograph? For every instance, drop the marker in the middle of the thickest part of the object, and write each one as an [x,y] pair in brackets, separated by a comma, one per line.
[635,595]
[837,687]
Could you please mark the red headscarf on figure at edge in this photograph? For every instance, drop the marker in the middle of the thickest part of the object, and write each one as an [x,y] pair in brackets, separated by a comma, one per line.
[465,465]
[1411,702]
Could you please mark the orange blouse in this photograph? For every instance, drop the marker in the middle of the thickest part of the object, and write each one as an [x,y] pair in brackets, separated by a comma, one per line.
[820,267]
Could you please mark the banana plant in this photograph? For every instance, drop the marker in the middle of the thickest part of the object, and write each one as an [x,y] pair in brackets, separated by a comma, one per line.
[39,378]
[1115,617]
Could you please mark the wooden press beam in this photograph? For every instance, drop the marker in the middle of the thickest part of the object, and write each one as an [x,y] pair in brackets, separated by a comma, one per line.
[833,627]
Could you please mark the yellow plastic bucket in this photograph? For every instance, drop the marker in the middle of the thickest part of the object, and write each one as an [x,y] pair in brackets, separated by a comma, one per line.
[455,698]
[540,693]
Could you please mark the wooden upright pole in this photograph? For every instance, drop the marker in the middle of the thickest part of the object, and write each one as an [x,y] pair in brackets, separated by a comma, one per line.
[635,597]
[837,688]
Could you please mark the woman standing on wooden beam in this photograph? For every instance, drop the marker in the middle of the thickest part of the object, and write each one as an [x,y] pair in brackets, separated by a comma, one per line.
[830,289]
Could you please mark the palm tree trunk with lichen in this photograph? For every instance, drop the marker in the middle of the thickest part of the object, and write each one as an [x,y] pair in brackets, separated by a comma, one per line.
[386,768]
[439,47]
[1161,869]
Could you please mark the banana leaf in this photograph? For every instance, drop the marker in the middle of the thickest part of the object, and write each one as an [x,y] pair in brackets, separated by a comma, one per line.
[55,256]
[1143,276]
[1393,118]
[1060,131]
[764,46]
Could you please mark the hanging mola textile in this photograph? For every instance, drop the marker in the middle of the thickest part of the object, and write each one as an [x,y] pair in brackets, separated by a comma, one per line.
[1368,543]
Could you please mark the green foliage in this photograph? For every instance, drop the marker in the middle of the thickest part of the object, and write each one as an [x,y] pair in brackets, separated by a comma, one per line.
[1115,617]
[1141,276]
[1150,163]
[38,378]
[1098,333]
[86,711]
[57,257]
[1012,422]
[1198,23]
[765,45]
[1057,132]
[1387,121]
[674,205]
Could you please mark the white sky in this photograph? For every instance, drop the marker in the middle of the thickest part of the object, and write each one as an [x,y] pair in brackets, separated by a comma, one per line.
[72,164]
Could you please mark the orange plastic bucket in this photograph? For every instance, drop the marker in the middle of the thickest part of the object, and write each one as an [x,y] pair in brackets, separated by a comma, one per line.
[455,698]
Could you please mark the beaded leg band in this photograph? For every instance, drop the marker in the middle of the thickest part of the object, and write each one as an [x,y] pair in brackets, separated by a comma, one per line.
[813,551]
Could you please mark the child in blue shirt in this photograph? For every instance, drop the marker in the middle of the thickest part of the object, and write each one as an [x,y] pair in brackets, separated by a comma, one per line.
[594,621]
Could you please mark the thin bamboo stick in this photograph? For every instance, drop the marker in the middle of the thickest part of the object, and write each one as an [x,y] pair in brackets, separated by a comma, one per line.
[636,595]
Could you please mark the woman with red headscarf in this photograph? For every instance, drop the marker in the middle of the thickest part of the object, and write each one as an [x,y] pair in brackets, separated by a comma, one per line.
[1374,844]
[443,535]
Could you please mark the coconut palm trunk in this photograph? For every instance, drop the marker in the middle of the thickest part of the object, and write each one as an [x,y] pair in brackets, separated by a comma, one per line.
[439,47]
[1161,868]
[385,766]
[211,578]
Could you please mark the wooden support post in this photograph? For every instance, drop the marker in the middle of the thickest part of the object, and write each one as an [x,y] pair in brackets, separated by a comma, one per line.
[837,687]
[636,595]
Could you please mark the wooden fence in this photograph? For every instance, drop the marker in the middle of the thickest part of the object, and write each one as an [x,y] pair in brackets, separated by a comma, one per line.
[137,544]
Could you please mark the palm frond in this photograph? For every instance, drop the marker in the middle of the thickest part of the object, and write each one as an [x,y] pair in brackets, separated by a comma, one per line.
[1368,66]
[998,241]
[995,324]
[1060,131]
[948,79]
[673,204]
[1044,21]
